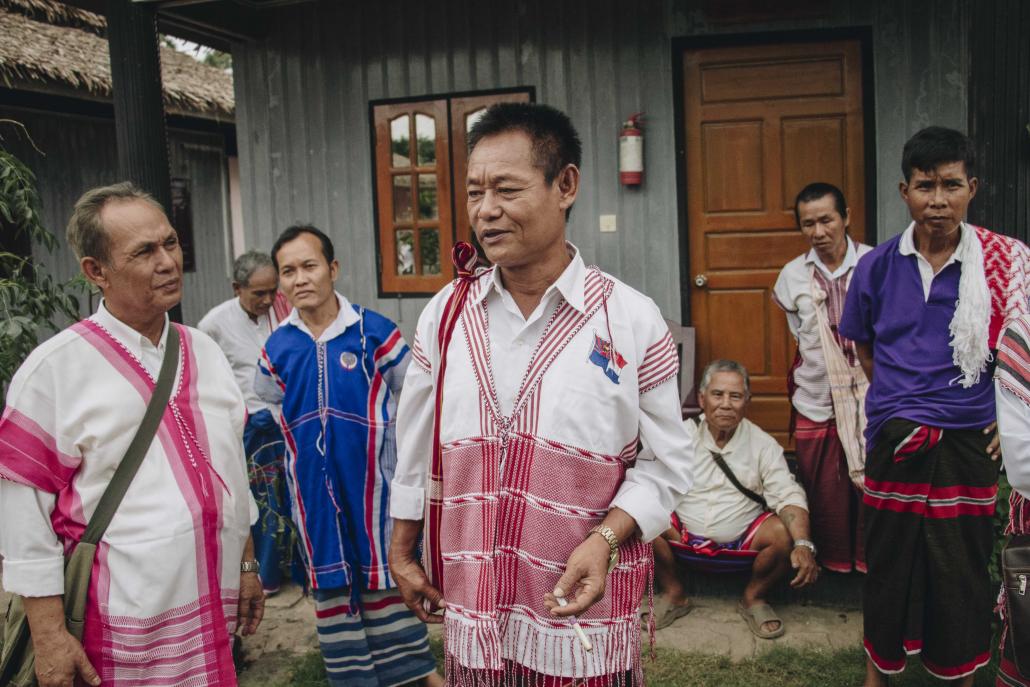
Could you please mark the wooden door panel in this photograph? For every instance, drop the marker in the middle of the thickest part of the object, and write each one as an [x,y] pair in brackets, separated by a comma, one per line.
[762,122]
[748,250]
[812,148]
[761,80]
[731,152]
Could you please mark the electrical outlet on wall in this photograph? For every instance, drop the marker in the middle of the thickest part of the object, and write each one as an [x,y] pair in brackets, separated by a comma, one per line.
[607,223]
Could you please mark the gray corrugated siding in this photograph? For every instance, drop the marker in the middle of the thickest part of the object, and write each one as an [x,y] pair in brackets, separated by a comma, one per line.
[303,93]
[999,115]
[80,153]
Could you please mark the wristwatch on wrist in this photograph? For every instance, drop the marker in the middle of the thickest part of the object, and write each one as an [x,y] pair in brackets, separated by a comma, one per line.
[250,566]
[805,543]
[613,544]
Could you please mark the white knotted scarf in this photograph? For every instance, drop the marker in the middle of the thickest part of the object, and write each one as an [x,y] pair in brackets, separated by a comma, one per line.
[970,324]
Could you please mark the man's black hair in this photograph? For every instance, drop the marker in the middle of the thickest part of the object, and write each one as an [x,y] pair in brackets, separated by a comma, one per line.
[817,190]
[555,141]
[296,230]
[935,146]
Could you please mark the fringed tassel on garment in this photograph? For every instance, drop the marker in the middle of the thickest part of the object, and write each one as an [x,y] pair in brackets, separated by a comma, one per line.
[616,653]
[970,324]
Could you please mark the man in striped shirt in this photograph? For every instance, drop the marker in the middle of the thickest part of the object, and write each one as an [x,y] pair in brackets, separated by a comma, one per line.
[826,382]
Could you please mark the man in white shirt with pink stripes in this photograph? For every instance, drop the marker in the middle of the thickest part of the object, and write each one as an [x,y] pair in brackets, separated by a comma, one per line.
[529,481]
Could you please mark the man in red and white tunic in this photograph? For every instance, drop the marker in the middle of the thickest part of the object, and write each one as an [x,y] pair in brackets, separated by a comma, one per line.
[168,586]
[1012,395]
[531,385]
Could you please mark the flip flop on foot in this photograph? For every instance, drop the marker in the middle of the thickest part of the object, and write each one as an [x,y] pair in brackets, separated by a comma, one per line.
[757,616]
[666,612]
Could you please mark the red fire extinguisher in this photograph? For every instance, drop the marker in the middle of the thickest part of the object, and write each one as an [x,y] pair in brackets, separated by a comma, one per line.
[631,151]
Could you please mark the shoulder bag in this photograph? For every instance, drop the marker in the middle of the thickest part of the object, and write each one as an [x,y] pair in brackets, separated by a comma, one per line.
[17,657]
[1015,571]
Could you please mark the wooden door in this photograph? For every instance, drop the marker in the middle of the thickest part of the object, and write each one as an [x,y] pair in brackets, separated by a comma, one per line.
[761,123]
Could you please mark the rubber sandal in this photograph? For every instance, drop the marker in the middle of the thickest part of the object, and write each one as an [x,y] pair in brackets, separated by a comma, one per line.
[666,613]
[758,615]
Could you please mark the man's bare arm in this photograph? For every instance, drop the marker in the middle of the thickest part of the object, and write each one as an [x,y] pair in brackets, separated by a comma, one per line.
[59,656]
[419,595]
[801,558]
[865,358]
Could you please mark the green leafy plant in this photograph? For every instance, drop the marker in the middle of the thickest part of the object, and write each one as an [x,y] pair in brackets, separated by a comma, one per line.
[33,304]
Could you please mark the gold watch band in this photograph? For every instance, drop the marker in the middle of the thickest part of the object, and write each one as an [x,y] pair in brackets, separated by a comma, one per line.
[613,543]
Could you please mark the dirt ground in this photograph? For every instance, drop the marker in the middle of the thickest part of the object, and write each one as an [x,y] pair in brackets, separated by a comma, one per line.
[713,627]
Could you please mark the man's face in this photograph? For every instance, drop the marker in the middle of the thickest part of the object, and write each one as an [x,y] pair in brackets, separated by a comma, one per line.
[823,226]
[518,217]
[259,293]
[724,401]
[304,275]
[938,199]
[142,277]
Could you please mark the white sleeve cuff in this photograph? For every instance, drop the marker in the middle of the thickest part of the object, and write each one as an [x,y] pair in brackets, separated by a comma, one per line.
[645,507]
[40,577]
[407,503]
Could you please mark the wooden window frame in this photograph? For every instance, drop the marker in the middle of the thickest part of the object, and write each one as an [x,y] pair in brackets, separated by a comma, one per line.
[449,111]
[387,227]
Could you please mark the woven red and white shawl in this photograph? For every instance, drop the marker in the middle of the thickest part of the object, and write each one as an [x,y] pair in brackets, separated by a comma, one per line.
[508,506]
[1007,268]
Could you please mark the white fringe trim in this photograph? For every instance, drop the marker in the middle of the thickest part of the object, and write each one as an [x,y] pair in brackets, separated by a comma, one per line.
[971,321]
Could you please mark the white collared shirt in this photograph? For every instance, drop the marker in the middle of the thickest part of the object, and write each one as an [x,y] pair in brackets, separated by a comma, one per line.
[140,346]
[93,423]
[513,336]
[241,339]
[717,510]
[650,488]
[907,246]
[345,318]
[793,293]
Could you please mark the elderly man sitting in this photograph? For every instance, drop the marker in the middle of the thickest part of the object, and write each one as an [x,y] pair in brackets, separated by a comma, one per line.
[745,510]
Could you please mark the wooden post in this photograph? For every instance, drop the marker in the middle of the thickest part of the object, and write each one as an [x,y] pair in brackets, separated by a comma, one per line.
[139,115]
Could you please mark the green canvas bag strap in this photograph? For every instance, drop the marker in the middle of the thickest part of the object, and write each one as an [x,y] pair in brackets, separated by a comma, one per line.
[119,484]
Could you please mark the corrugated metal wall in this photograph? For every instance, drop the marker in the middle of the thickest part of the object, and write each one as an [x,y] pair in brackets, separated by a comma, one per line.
[79,153]
[302,119]
[303,94]
[999,115]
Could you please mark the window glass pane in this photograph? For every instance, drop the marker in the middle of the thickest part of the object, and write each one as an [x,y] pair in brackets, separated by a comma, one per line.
[405,241]
[472,117]
[400,141]
[429,247]
[425,130]
[427,204]
[402,198]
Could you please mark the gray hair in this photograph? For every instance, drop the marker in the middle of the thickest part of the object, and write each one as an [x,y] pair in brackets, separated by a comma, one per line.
[247,264]
[86,233]
[724,366]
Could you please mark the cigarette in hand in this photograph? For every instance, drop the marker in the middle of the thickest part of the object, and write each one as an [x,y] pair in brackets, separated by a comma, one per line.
[575,626]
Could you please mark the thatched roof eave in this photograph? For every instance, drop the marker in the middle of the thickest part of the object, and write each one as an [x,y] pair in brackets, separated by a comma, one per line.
[44,53]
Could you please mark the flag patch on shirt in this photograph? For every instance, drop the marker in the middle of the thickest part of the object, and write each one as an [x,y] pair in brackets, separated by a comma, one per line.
[607,358]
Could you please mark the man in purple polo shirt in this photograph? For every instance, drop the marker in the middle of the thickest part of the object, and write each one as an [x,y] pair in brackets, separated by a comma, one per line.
[925,310]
